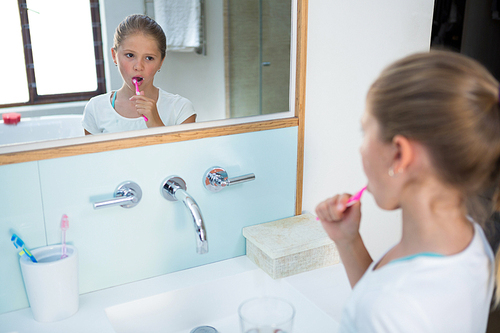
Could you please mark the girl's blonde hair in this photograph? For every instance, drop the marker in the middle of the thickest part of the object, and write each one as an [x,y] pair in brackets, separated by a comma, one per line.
[144,24]
[449,103]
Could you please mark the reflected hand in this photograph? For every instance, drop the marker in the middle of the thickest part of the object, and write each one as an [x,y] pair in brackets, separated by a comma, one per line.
[147,107]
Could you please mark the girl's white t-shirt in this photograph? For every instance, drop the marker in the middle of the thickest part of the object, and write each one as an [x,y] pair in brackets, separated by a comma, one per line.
[425,293]
[100,117]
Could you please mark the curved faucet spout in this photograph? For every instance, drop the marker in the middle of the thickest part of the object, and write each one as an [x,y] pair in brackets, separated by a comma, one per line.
[175,189]
[199,226]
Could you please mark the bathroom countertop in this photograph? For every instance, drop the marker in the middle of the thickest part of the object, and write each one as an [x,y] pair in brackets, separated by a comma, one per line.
[328,288]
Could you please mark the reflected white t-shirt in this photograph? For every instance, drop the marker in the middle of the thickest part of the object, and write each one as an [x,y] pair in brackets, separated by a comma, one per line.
[425,294]
[100,117]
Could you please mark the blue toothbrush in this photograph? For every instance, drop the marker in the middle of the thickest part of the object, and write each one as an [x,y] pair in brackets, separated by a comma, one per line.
[18,243]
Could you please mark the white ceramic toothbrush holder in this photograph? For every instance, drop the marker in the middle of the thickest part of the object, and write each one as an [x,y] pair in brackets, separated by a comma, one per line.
[52,282]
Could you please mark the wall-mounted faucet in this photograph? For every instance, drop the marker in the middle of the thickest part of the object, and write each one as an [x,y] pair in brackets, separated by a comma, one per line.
[174,189]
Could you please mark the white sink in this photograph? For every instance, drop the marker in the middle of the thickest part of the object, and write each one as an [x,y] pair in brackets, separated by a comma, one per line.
[215,304]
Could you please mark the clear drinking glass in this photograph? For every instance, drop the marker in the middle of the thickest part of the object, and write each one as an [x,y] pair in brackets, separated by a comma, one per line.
[266,315]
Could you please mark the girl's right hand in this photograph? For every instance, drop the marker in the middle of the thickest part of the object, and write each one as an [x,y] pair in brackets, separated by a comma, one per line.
[341,223]
[147,107]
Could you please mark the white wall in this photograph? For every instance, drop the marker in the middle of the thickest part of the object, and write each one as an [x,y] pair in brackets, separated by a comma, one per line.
[349,42]
[200,78]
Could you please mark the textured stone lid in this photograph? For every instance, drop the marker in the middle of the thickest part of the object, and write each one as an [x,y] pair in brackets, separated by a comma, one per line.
[287,236]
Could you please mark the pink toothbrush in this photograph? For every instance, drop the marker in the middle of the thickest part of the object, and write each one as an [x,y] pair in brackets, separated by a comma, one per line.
[355,198]
[64,227]
[352,200]
[137,92]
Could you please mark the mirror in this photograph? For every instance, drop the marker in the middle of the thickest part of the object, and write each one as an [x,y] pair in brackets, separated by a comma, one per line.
[261,115]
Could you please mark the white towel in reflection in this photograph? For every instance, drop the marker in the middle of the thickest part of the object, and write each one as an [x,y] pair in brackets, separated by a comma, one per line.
[181,22]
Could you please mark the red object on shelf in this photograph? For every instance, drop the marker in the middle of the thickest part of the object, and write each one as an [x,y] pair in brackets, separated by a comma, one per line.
[11,118]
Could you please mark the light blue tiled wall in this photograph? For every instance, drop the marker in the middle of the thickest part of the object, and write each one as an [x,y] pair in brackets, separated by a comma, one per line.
[21,212]
[120,245]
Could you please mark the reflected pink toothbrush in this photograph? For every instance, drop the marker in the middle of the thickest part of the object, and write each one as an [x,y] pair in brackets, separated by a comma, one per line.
[138,92]
[355,198]
[64,227]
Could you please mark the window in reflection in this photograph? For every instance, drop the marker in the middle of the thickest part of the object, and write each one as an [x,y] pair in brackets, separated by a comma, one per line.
[55,51]
[62,45]
[12,41]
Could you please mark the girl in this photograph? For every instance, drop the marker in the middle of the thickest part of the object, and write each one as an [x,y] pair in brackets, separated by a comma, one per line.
[431,146]
[139,51]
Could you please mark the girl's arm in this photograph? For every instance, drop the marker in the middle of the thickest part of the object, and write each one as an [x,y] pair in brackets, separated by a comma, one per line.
[191,119]
[355,258]
[341,223]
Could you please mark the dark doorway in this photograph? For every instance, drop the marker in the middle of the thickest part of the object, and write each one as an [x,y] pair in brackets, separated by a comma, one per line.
[470,27]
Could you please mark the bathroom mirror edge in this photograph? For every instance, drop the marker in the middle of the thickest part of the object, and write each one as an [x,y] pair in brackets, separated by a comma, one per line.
[300,95]
[142,141]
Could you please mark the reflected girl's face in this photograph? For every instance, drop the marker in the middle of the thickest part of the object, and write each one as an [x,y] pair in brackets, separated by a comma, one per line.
[138,57]
[377,157]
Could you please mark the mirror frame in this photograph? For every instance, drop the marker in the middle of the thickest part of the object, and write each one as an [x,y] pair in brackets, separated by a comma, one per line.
[155,139]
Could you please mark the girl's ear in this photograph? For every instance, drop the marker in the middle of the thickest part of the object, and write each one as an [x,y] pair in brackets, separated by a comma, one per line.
[161,64]
[113,54]
[404,153]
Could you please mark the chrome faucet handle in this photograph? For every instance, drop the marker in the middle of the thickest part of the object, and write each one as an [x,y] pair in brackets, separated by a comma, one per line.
[127,195]
[216,179]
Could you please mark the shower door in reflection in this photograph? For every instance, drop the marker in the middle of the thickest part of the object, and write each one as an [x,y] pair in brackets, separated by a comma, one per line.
[257,56]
